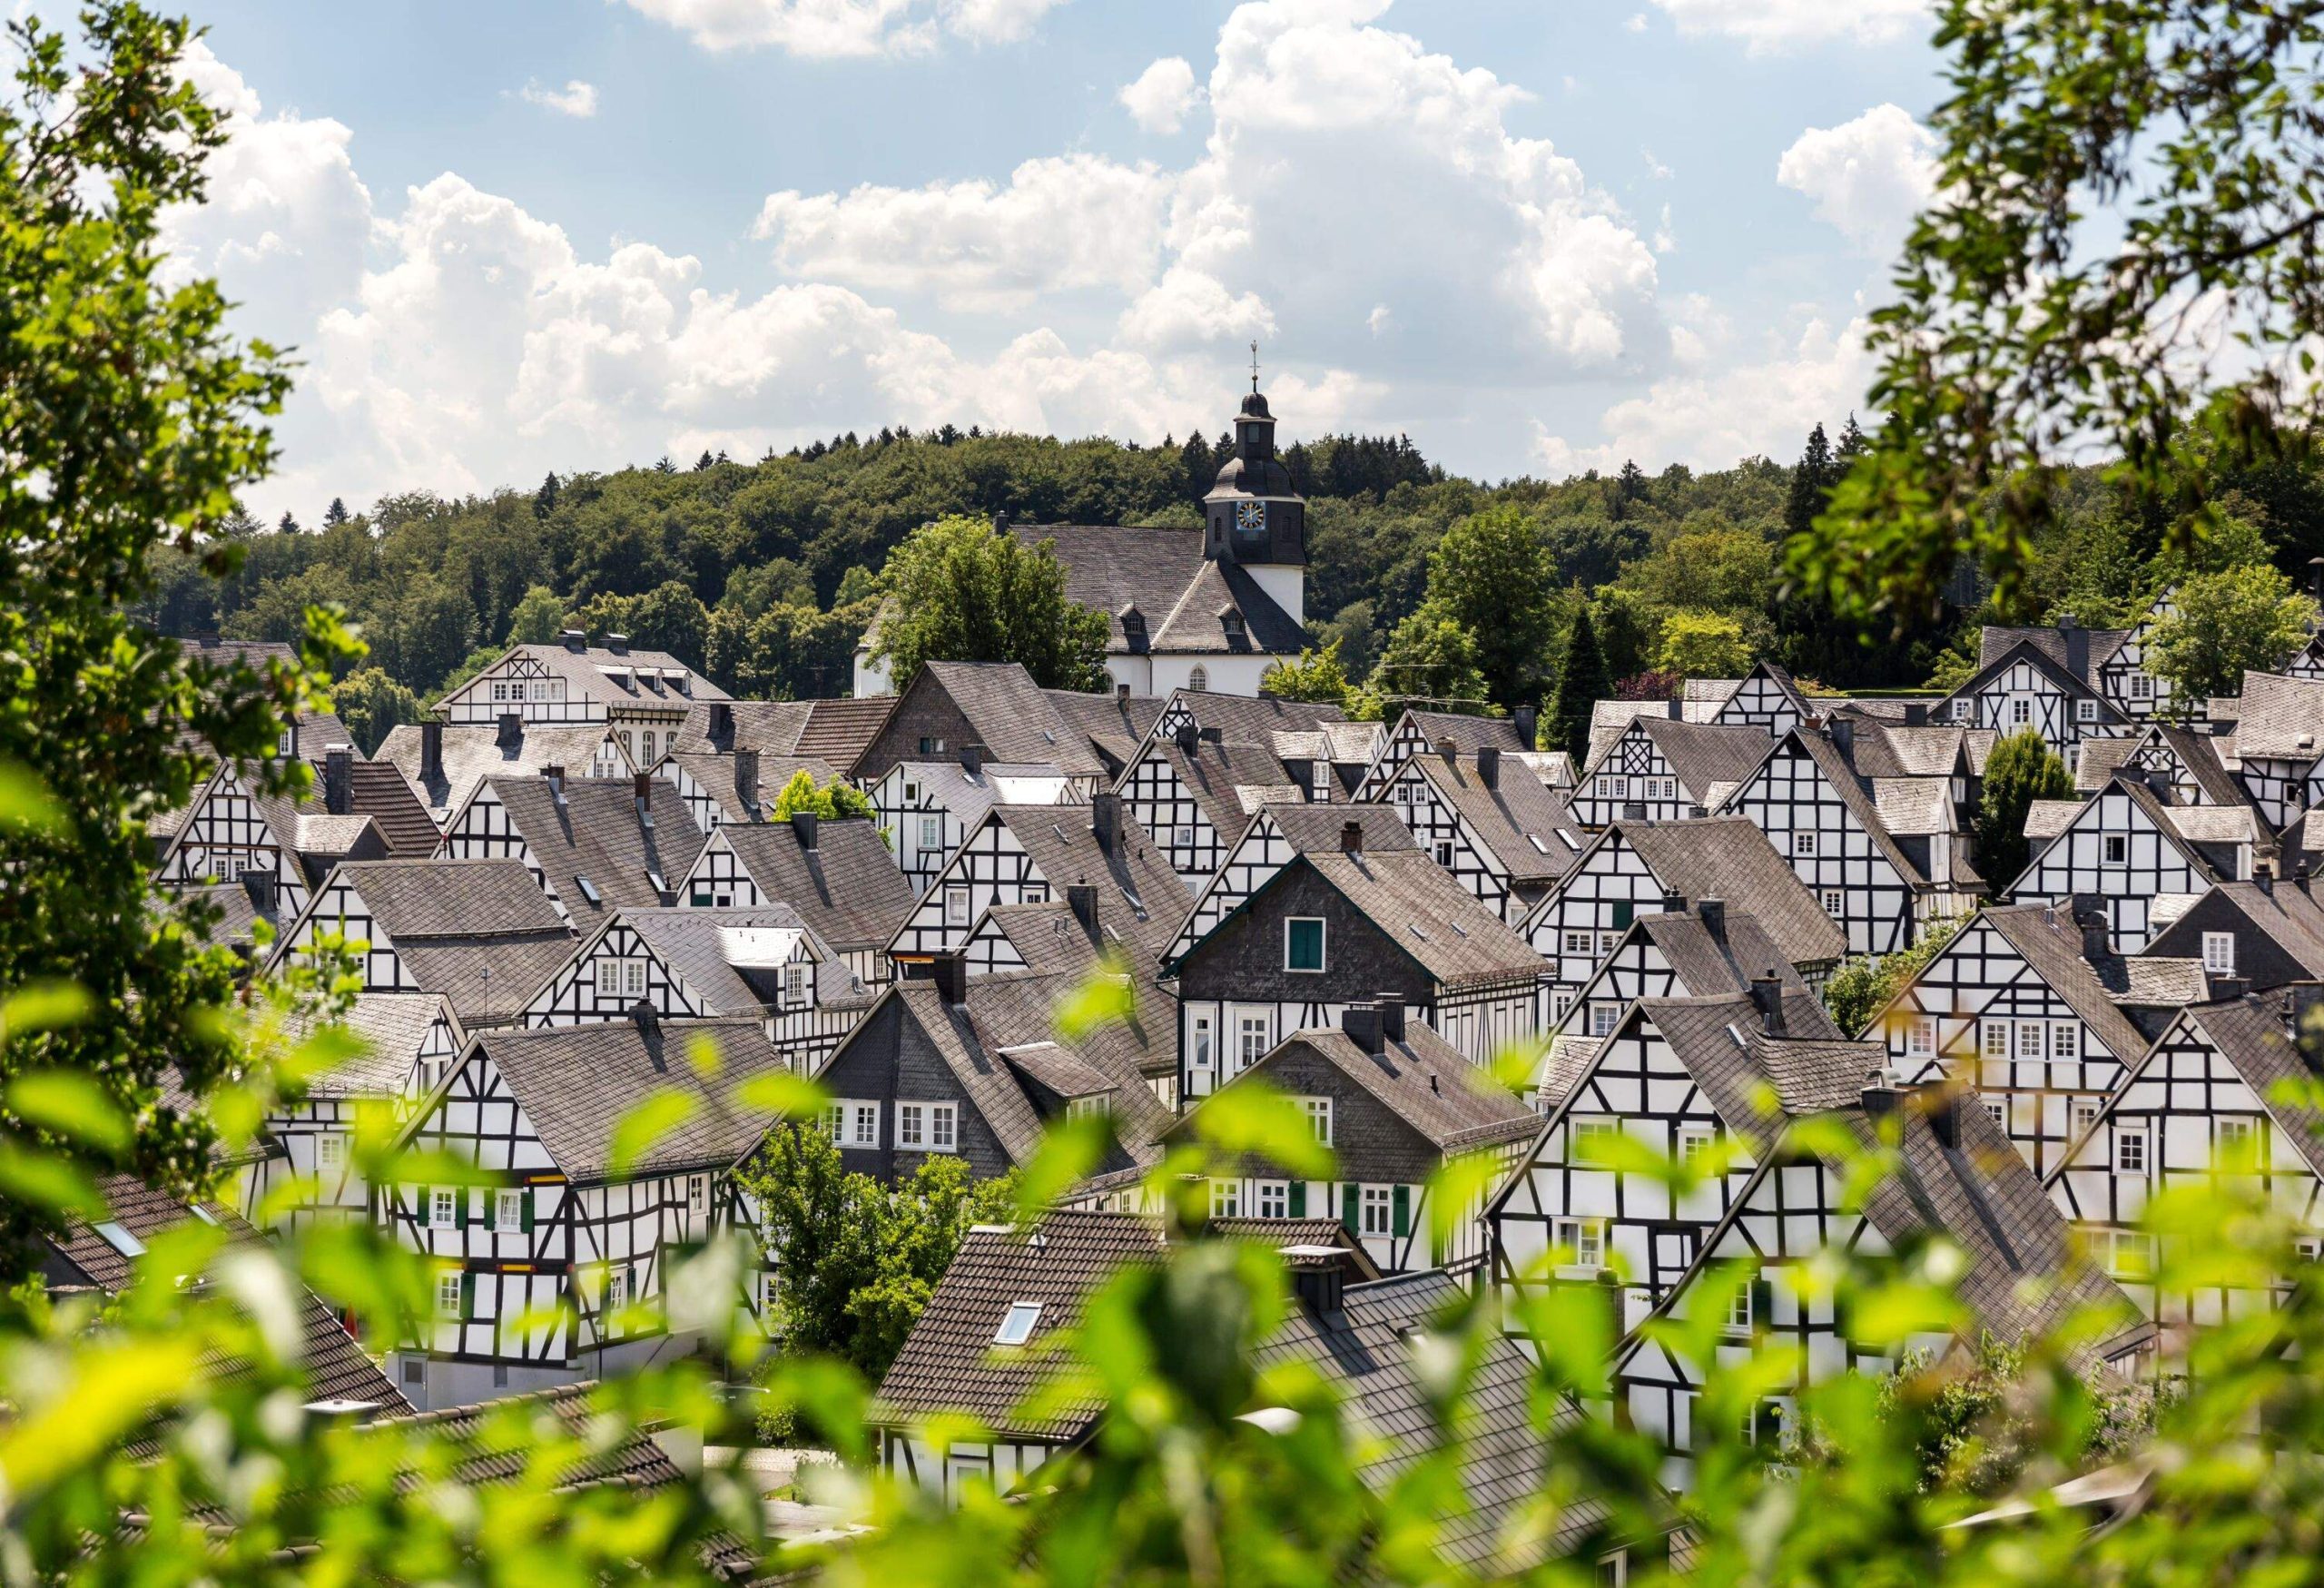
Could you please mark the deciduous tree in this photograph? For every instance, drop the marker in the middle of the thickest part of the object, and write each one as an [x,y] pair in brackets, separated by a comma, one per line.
[960,591]
[2020,769]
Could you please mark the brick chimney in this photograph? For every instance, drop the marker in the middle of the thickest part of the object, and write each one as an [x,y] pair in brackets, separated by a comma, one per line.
[338,779]
[1106,821]
[1360,1021]
[1351,838]
[431,750]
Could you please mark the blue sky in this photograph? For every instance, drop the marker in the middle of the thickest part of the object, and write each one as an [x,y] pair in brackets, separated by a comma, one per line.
[513,237]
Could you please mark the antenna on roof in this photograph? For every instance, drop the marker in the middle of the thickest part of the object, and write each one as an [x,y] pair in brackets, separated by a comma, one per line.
[1255,366]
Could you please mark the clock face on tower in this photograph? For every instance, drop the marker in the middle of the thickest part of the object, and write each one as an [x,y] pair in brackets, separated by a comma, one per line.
[1250,516]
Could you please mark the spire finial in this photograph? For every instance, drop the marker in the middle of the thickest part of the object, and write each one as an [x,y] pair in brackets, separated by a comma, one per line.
[1255,366]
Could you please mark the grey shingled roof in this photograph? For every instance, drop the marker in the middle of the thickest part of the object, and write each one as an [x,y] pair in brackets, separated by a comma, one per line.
[1011,716]
[584,672]
[2290,918]
[1216,776]
[1193,623]
[1724,1044]
[1727,858]
[1312,828]
[1243,719]
[1470,733]
[2051,944]
[1418,906]
[1842,778]
[474,752]
[2042,661]
[1728,962]
[847,888]
[691,942]
[714,773]
[2251,1033]
[1116,724]
[381,792]
[838,731]
[597,832]
[576,1083]
[479,932]
[1424,1081]
[1708,757]
[393,1027]
[1049,938]
[2197,752]
[1517,820]
[1995,642]
[1138,895]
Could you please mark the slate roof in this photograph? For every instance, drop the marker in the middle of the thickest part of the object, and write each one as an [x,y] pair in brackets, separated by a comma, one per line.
[1011,716]
[2041,661]
[1886,749]
[381,792]
[1243,719]
[1468,732]
[2290,918]
[1724,1044]
[1138,895]
[479,932]
[1165,574]
[2148,982]
[834,732]
[1708,758]
[1195,622]
[2051,944]
[2100,759]
[595,673]
[576,1083]
[847,887]
[1727,962]
[1050,938]
[2045,819]
[1610,719]
[1516,820]
[1995,642]
[715,774]
[1281,1234]
[237,923]
[1727,858]
[2251,1034]
[1424,1081]
[1418,906]
[1314,828]
[969,794]
[1915,806]
[474,751]
[335,1367]
[394,1027]
[1833,762]
[1217,776]
[693,945]
[1115,725]
[596,831]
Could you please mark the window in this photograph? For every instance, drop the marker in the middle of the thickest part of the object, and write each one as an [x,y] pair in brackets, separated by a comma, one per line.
[617,1287]
[1803,844]
[932,833]
[1739,1308]
[1319,1117]
[1993,1038]
[1017,1324]
[2085,1114]
[2219,952]
[928,1127]
[499,689]
[1182,836]
[1607,940]
[853,1122]
[698,1195]
[443,1207]
[1201,1038]
[1614,1570]
[2065,1041]
[415,1371]
[1695,1142]
[1584,1238]
[1665,788]
[1561,1002]
[956,904]
[1275,1199]
[1997,1110]
[1443,850]
[1251,1043]
[1580,943]
[1075,1108]
[1303,943]
[911,793]
[330,1151]
[930,745]
[1605,788]
[1199,678]
[2020,713]
[2086,711]
[2234,1147]
[1225,1199]
[1376,1210]
[118,1237]
[2030,1033]
[2115,849]
[1591,1140]
[793,992]
[2130,1149]
[2128,1254]
[1920,1037]
[1603,1015]
[450,1292]
[1834,903]
[2141,686]
[508,1209]
[621,978]
[286,743]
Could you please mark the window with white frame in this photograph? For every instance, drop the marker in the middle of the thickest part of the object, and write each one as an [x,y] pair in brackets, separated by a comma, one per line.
[2021,712]
[793,989]
[1319,1117]
[617,1287]
[911,792]
[2085,710]
[1585,1239]
[508,1208]
[1372,1210]
[1225,1199]
[931,834]
[2233,1142]
[853,1122]
[1993,1038]
[2031,1034]
[925,1126]
[698,1195]
[1695,1143]
[621,978]
[1578,943]
[1591,1140]
[2114,849]
[2219,952]
[1275,1199]
[451,1287]
[286,743]
[1603,1014]
[443,1207]
[1834,903]
[1202,1038]
[1920,1037]
[1803,843]
[2130,1149]
[1740,1311]
[2127,1254]
[1198,679]
[1251,1043]
[1562,1003]
[1442,850]
[1606,941]
[2141,686]
[2085,1114]
[330,1151]
[1182,836]
[956,904]
[1997,1110]
[2065,1041]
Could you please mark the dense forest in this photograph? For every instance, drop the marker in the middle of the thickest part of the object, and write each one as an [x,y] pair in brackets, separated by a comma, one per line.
[765,573]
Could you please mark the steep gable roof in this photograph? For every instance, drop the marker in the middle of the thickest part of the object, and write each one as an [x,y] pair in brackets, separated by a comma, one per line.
[1727,858]
[473,752]
[2281,719]
[1138,895]
[2051,944]
[847,887]
[1422,1080]
[1516,817]
[1417,906]
[716,774]
[591,829]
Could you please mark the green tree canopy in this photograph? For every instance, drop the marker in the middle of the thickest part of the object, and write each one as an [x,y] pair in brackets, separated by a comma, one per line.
[2222,625]
[372,704]
[2020,768]
[1431,661]
[1314,675]
[1493,576]
[1582,681]
[538,618]
[1702,645]
[960,591]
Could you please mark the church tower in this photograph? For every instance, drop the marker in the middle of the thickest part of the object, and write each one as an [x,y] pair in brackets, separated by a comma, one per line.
[1252,518]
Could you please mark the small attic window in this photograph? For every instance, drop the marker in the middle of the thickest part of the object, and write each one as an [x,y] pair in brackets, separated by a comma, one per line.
[1535,840]
[120,1239]
[1018,1326]
[1048,736]
[1569,841]
[589,890]
[205,1215]
[1734,1036]
[1418,932]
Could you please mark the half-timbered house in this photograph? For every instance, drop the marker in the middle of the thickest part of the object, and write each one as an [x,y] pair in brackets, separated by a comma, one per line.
[1706,1082]
[2279,743]
[1332,927]
[685,964]
[1193,795]
[832,732]
[1500,832]
[593,844]
[2127,850]
[1417,732]
[2220,1100]
[996,708]
[1628,871]
[277,847]
[1766,698]
[2308,662]
[1954,1178]
[1027,854]
[1264,719]
[945,1065]
[1272,836]
[479,932]
[1828,822]
[1664,769]
[2017,1005]
[739,785]
[2184,766]
[554,1269]
[838,875]
[1682,951]
[928,808]
[1394,1103]
[644,696]
[407,1041]
[2019,684]
[445,762]
[2263,933]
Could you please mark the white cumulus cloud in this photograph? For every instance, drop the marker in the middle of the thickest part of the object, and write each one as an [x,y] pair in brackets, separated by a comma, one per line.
[1867,177]
[823,29]
[576,99]
[1770,25]
[1163,94]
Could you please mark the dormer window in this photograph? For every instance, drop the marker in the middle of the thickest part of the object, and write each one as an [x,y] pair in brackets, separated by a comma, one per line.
[1017,1325]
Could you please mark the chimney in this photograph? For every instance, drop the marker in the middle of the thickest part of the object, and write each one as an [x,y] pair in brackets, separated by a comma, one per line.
[1945,1116]
[338,779]
[1489,766]
[1186,738]
[641,786]
[1916,714]
[1843,732]
[1000,520]
[2300,999]
[648,1022]
[2300,874]
[1360,1021]
[431,750]
[575,639]
[2077,640]
[260,887]
[951,974]
[1448,748]
[512,729]
[1523,719]
[1081,898]
[802,827]
[1352,838]
[2263,876]
[2316,578]
[1882,1095]
[1392,1018]
[1674,903]
[722,721]
[618,644]
[2225,988]
[1712,913]
[1316,1284]
[1106,822]
[1767,995]
[2096,940]
[746,777]
[1121,695]
[973,759]
[553,776]
[1675,709]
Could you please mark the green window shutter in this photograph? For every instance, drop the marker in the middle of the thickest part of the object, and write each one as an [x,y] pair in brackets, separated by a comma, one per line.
[528,1210]
[1401,1211]
[492,1209]
[1763,1301]
[1625,912]
[467,1296]
[1299,1198]
[1350,1212]
[459,1207]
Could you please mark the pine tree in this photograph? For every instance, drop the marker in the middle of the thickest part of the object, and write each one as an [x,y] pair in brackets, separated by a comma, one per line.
[1581,682]
[287,523]
[1811,482]
[336,514]
[545,498]
[1629,486]
[1202,466]
[704,461]
[2021,769]
[663,465]
[1853,443]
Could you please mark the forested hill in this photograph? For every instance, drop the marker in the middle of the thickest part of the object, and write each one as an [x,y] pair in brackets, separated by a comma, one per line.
[763,573]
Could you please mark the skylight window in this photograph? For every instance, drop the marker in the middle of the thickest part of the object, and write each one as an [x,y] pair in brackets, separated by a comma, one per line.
[1018,1326]
[1535,840]
[1569,841]
[120,1240]
[589,890]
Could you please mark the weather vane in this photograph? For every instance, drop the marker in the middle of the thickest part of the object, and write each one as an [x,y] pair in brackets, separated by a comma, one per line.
[1255,366]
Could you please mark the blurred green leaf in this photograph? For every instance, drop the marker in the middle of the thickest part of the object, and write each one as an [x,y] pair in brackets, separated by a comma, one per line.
[41,1179]
[1104,997]
[71,1104]
[27,807]
[784,1095]
[45,1006]
[1069,1150]
[639,1130]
